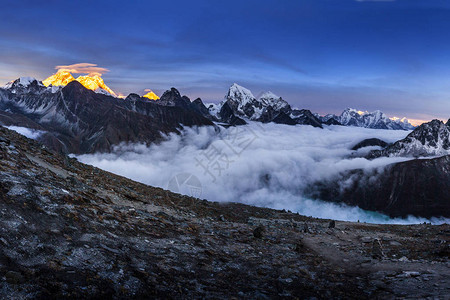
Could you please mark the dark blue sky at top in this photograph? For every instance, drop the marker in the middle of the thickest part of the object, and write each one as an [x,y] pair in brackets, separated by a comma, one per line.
[317,54]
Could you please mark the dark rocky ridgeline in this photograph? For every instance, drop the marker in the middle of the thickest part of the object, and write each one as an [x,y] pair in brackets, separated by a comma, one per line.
[199,107]
[305,117]
[227,115]
[419,187]
[70,230]
[370,142]
[283,118]
[332,121]
[77,120]
[173,97]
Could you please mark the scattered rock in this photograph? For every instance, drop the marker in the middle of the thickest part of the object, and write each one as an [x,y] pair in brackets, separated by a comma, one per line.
[407,274]
[377,250]
[394,243]
[306,228]
[14,277]
[259,232]
[366,239]
[332,224]
[299,247]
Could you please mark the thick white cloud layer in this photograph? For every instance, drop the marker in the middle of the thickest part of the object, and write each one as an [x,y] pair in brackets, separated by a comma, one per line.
[264,165]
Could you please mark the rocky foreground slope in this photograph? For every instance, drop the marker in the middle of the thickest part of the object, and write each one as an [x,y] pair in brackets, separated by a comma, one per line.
[69,230]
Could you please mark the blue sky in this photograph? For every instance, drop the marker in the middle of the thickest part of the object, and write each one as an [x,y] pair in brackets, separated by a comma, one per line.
[318,54]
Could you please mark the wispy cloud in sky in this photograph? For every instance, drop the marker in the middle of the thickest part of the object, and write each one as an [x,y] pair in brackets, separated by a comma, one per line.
[83,68]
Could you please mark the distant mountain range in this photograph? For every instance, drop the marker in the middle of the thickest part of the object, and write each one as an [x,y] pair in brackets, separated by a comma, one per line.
[82,115]
[240,106]
[77,119]
[376,120]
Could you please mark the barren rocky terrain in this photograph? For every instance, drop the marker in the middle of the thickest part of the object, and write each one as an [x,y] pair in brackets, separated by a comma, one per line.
[69,230]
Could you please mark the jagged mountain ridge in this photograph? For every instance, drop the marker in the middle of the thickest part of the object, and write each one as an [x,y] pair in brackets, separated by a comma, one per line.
[78,120]
[375,120]
[428,139]
[39,107]
[243,105]
[92,82]
[240,105]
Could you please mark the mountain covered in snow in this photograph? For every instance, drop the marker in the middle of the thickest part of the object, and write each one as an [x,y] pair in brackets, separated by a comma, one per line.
[75,119]
[150,95]
[375,119]
[23,84]
[240,105]
[428,139]
[92,82]
[96,84]
[61,78]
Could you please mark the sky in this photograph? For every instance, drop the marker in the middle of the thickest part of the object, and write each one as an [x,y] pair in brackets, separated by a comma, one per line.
[323,55]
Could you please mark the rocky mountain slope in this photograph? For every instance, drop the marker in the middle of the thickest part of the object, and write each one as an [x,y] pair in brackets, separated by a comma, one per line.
[78,120]
[69,230]
[375,120]
[429,139]
[240,105]
[419,187]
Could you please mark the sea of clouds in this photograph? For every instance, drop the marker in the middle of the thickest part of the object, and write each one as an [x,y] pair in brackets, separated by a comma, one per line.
[266,165]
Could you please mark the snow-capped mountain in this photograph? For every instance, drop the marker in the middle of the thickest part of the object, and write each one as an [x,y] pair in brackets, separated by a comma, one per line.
[24,85]
[150,95]
[240,105]
[245,105]
[61,78]
[21,83]
[376,120]
[78,120]
[96,84]
[429,139]
[276,102]
[91,82]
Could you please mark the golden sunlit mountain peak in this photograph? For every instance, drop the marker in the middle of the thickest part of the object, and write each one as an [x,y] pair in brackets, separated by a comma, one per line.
[61,78]
[150,95]
[93,82]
